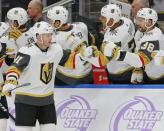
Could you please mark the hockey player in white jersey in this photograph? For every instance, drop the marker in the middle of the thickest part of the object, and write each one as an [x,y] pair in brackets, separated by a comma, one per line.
[6,50]
[19,33]
[3,116]
[36,64]
[70,36]
[18,18]
[151,41]
[119,30]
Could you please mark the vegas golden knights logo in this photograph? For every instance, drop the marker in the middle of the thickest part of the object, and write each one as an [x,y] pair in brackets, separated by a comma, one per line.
[46,72]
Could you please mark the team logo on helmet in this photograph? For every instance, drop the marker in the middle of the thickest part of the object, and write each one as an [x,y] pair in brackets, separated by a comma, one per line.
[57,11]
[150,11]
[112,11]
[38,25]
[16,12]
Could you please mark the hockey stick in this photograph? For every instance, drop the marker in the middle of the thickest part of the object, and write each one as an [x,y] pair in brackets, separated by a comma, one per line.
[6,111]
[25,84]
[19,86]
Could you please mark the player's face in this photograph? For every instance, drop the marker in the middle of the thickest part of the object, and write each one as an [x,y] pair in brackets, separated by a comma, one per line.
[140,23]
[103,20]
[56,24]
[47,39]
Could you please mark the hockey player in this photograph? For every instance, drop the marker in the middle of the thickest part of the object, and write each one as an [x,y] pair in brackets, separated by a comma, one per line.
[18,18]
[151,40]
[3,116]
[36,64]
[70,36]
[119,30]
[6,49]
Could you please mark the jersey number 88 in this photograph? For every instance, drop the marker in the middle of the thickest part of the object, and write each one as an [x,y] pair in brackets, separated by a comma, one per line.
[148,46]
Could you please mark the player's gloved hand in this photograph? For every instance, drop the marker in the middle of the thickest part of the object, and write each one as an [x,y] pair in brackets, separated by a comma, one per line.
[15,33]
[159,57]
[90,51]
[76,42]
[137,76]
[11,48]
[110,49]
[79,47]
[9,85]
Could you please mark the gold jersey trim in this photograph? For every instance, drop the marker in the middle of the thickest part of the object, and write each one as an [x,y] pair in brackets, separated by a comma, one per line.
[153,78]
[13,69]
[144,57]
[103,60]
[122,71]
[70,63]
[73,76]
[34,95]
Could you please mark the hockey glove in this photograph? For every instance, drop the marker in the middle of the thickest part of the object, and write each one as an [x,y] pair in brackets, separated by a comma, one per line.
[137,76]
[159,57]
[11,48]
[9,85]
[90,51]
[15,33]
[110,49]
[75,42]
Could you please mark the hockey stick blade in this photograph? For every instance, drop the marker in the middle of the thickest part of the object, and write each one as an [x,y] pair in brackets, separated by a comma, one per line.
[6,111]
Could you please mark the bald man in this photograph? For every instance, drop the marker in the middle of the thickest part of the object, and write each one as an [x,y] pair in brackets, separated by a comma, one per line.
[137,5]
[34,10]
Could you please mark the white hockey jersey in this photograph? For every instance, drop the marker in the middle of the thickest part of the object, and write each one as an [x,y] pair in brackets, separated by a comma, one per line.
[11,49]
[26,38]
[10,45]
[71,39]
[122,36]
[149,42]
[41,69]
[37,68]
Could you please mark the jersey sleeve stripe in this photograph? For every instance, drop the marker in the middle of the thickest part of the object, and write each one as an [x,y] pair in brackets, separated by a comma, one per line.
[13,70]
[102,59]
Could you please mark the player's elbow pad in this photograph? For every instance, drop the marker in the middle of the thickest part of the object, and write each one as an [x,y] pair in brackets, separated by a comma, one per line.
[133,60]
